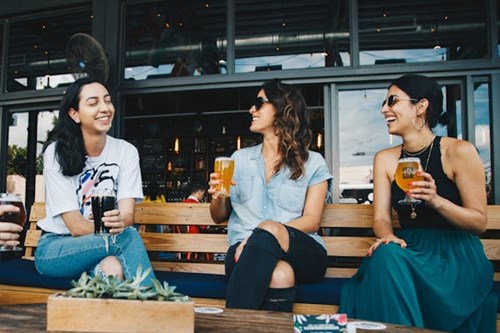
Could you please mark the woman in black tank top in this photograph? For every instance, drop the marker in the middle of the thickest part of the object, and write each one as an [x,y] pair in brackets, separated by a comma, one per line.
[433,272]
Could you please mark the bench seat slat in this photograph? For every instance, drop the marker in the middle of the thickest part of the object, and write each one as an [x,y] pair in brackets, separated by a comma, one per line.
[189,267]
[215,243]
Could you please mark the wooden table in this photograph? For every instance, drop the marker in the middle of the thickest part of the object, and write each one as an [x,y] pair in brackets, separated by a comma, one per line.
[31,318]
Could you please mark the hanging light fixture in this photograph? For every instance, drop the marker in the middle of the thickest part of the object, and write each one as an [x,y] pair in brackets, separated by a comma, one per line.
[177,146]
[319,140]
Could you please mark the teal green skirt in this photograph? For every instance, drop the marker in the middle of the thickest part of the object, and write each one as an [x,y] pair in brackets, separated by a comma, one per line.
[442,281]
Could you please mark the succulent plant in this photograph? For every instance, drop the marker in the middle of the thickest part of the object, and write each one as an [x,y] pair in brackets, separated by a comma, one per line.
[112,287]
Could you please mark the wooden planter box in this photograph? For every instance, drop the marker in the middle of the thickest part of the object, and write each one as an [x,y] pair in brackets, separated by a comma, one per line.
[117,315]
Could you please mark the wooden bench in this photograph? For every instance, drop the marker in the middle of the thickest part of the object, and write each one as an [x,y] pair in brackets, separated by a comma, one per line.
[346,228]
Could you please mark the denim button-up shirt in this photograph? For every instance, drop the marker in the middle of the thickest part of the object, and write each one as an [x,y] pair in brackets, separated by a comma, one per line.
[281,200]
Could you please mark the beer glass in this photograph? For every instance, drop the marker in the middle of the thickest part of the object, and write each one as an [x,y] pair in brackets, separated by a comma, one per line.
[405,174]
[13,217]
[102,201]
[224,166]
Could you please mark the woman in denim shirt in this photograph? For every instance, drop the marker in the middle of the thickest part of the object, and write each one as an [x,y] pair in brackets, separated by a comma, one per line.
[275,208]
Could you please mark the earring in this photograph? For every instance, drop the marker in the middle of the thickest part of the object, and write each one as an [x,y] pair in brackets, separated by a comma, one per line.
[416,127]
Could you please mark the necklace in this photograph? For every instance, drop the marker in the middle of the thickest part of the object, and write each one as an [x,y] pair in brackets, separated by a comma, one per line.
[413,214]
[408,154]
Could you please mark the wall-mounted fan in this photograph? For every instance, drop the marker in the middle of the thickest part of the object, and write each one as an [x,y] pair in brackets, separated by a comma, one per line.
[86,57]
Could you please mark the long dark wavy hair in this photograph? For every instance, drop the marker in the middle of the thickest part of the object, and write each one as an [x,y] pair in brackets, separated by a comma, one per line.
[70,149]
[292,125]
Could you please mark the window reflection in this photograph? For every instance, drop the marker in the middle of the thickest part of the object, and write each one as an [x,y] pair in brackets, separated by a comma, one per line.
[482,130]
[291,34]
[37,57]
[18,147]
[175,38]
[1,43]
[423,31]
[364,132]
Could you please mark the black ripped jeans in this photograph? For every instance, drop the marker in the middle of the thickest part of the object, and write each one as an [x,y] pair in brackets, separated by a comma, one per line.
[249,278]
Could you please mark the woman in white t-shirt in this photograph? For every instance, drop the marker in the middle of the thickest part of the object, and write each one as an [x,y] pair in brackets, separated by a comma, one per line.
[80,157]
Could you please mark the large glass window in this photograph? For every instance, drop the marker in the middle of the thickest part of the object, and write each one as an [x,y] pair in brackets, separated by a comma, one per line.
[482,130]
[1,43]
[275,35]
[407,32]
[178,134]
[364,132]
[175,38]
[19,147]
[498,28]
[37,50]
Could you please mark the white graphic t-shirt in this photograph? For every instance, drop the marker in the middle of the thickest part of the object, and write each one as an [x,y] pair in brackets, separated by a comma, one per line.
[116,168]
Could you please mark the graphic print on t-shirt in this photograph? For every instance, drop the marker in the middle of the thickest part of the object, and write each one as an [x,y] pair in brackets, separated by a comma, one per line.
[103,176]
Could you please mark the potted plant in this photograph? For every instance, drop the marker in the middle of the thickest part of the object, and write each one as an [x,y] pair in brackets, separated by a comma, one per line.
[107,304]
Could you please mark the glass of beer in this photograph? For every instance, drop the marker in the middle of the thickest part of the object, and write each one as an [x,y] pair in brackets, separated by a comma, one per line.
[12,217]
[405,174]
[224,166]
[102,201]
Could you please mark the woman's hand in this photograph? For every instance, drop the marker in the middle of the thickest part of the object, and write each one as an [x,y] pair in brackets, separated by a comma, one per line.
[385,240]
[239,249]
[425,190]
[113,220]
[9,232]
[213,182]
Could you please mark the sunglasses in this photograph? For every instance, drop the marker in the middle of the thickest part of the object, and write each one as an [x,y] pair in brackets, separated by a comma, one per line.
[259,101]
[393,98]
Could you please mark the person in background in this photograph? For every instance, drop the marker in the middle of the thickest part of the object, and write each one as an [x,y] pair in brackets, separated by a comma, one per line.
[79,156]
[9,232]
[197,194]
[153,193]
[275,208]
[433,272]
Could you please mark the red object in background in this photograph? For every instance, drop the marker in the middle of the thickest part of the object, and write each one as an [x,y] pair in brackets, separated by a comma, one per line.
[192,229]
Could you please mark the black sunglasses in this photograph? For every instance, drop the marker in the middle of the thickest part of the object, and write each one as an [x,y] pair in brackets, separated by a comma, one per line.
[393,98]
[259,101]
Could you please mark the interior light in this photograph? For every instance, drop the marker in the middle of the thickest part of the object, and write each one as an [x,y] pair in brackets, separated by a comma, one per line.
[319,141]
[176,146]
[238,143]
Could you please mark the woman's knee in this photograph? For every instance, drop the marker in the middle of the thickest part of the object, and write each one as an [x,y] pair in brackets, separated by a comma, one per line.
[278,230]
[283,276]
[387,253]
[112,266]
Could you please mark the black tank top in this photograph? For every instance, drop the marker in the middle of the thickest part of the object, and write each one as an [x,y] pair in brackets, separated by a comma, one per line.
[427,217]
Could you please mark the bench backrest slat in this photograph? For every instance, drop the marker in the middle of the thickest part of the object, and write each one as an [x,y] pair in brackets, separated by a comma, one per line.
[335,216]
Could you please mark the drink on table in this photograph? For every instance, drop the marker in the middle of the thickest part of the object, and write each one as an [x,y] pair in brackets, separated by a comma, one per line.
[406,173]
[224,166]
[102,201]
[12,217]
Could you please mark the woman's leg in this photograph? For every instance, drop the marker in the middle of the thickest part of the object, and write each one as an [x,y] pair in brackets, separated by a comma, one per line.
[305,261]
[66,256]
[251,276]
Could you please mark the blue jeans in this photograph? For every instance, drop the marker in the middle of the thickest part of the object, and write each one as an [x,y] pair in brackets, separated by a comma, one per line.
[67,256]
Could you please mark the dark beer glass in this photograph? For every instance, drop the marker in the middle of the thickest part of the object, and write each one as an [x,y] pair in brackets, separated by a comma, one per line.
[102,201]
[13,217]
